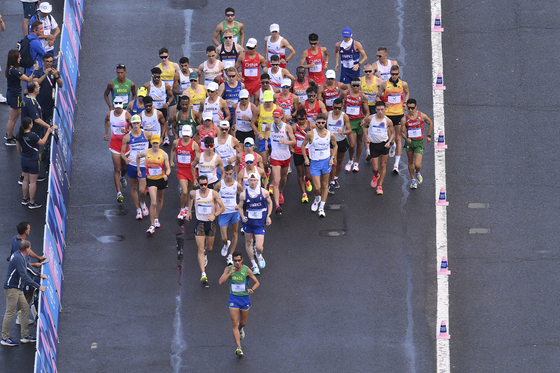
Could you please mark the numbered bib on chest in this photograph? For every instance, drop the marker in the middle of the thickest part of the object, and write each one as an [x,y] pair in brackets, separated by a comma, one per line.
[204,209]
[379,131]
[394,99]
[118,130]
[370,97]
[414,132]
[255,214]
[330,101]
[317,69]
[229,201]
[155,171]
[251,71]
[229,62]
[238,288]
[322,153]
[184,158]
[353,110]
[348,63]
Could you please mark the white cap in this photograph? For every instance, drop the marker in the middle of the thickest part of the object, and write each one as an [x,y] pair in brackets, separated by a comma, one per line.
[186,131]
[274,27]
[249,158]
[251,43]
[243,93]
[118,102]
[249,140]
[207,115]
[213,86]
[286,82]
[224,123]
[330,74]
[45,7]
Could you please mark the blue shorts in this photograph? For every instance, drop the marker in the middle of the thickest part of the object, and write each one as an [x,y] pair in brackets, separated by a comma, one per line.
[346,75]
[29,166]
[318,168]
[253,229]
[13,100]
[132,171]
[226,219]
[242,302]
[261,145]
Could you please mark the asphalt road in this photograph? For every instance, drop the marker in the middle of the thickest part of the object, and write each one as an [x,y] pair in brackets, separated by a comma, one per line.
[364,301]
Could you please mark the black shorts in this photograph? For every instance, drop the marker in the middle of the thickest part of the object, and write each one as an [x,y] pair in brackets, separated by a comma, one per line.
[343,146]
[241,136]
[164,112]
[377,149]
[396,119]
[159,183]
[298,159]
[204,228]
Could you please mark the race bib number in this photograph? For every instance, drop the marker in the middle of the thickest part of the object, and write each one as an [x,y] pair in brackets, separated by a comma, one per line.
[124,98]
[302,97]
[414,132]
[330,101]
[228,62]
[317,69]
[204,209]
[334,128]
[322,153]
[118,130]
[155,171]
[184,158]
[370,98]
[235,38]
[238,288]
[394,99]
[255,214]
[287,111]
[196,107]
[202,145]
[348,63]
[379,131]
[353,110]
[251,71]
[229,201]
[299,143]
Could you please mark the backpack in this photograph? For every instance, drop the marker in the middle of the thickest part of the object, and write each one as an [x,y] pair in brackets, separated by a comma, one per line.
[25,52]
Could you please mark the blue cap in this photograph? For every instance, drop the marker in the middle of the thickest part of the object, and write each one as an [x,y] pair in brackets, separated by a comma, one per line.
[193,75]
[347,33]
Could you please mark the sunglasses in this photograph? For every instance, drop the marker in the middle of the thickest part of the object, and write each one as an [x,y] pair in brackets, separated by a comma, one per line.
[395,74]
[121,66]
[248,144]
[211,55]
[228,37]
[231,76]
[237,260]
[368,71]
[250,162]
[163,57]
[148,106]
[355,85]
[265,82]
[381,55]
[311,95]
[274,64]
[321,122]
[251,48]
[193,80]
[411,107]
[230,14]
[313,43]
[286,86]
[337,107]
[156,76]
[209,145]
[203,184]
[224,129]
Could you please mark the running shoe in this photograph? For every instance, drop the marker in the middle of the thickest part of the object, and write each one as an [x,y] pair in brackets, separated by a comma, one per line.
[368,158]
[270,189]
[256,270]
[29,339]
[151,230]
[419,178]
[239,352]
[123,182]
[6,136]
[3,100]
[156,223]
[20,180]
[289,169]
[379,190]
[322,213]
[229,259]
[9,342]
[349,165]
[41,178]
[304,198]
[392,150]
[396,169]
[225,248]
[145,210]
[242,231]
[139,215]
[413,184]
[30,322]
[308,186]
[315,205]
[34,205]
[331,188]
[336,184]
[374,181]
[203,278]
[278,210]
[120,197]
[205,260]
[181,215]
[262,262]
[242,333]
[10,142]
[356,167]
[25,201]
[165,141]
[281,198]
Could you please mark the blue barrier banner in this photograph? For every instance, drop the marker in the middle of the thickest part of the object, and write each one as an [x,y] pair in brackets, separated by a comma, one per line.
[54,241]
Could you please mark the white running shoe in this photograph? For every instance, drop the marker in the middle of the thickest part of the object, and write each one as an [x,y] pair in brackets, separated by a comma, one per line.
[322,213]
[139,215]
[392,150]
[349,165]
[315,205]
[262,262]
[225,248]
[145,210]
[156,223]
[205,260]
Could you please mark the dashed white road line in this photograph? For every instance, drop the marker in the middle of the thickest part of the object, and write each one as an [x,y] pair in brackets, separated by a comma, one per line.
[443,362]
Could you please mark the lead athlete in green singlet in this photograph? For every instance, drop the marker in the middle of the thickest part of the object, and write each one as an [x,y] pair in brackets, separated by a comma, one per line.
[239,298]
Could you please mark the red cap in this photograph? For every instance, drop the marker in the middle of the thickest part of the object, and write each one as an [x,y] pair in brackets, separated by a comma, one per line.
[277,113]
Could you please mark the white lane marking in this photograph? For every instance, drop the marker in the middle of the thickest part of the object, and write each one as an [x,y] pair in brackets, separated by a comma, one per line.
[442,345]
[187,45]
